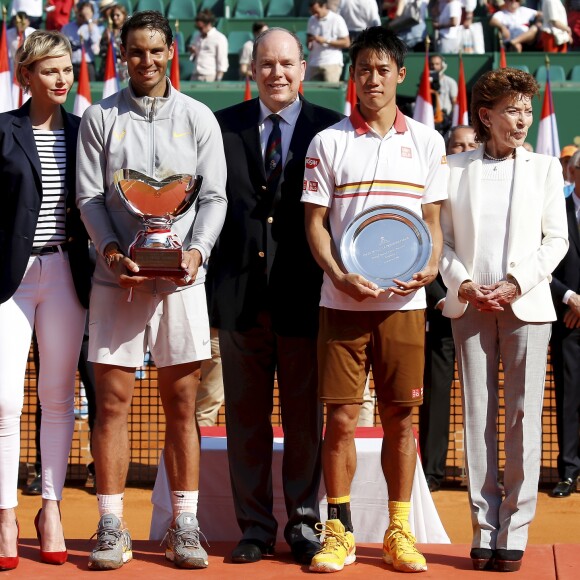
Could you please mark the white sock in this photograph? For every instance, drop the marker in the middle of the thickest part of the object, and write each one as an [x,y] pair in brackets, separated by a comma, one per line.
[111,504]
[184,501]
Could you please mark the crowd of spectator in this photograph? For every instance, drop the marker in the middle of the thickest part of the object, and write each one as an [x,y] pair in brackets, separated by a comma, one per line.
[458,26]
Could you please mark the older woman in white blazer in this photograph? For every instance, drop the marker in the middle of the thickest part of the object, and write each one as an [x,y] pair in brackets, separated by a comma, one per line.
[504,228]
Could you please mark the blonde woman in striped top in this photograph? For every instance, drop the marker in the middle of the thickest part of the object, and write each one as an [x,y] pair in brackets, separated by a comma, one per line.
[44,282]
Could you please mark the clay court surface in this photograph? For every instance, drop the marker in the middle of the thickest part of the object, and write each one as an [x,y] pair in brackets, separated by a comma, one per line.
[553,551]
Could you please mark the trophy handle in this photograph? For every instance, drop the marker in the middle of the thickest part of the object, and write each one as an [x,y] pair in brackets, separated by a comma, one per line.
[194,187]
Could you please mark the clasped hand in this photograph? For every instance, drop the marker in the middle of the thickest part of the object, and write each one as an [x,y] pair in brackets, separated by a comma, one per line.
[489,297]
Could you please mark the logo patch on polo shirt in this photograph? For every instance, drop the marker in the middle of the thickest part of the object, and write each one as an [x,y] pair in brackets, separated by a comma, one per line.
[312,162]
[313,186]
[406,152]
[444,160]
[304,185]
[417,393]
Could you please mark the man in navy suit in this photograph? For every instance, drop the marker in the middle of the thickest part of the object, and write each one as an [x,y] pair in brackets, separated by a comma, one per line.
[565,346]
[264,288]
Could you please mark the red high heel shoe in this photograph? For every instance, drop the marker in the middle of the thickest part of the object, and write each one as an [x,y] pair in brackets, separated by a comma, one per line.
[11,562]
[56,558]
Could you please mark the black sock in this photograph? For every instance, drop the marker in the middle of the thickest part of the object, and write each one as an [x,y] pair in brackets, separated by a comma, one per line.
[341,511]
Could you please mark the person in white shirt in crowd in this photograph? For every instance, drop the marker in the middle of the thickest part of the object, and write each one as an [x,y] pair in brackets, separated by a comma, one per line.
[18,32]
[358,15]
[447,88]
[517,24]
[327,37]
[34,9]
[246,52]
[556,34]
[84,31]
[448,25]
[209,49]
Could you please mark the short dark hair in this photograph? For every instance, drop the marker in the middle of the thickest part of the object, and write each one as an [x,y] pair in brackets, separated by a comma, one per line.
[81,5]
[257,26]
[151,19]
[492,87]
[381,41]
[206,16]
[262,35]
[313,2]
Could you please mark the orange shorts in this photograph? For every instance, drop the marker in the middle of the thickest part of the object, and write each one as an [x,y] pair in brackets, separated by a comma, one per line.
[392,342]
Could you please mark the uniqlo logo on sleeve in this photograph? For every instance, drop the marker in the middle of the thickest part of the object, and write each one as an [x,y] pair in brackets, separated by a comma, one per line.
[417,393]
[312,162]
[313,186]
[304,185]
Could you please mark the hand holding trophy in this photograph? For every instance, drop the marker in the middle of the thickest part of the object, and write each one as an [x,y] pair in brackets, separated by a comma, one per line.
[158,204]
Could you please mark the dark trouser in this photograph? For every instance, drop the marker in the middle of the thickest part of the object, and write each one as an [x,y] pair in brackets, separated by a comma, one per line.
[434,413]
[250,360]
[565,349]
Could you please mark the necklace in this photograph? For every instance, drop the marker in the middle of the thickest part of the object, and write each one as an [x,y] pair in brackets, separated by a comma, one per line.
[488,156]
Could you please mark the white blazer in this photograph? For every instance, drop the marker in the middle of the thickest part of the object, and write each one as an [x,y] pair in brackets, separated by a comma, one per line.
[537,237]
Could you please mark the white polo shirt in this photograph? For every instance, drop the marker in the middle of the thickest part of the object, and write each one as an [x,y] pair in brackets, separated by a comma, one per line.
[331,27]
[516,22]
[211,53]
[351,168]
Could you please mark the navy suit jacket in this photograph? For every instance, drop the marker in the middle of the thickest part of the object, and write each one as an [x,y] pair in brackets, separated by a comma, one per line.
[262,260]
[567,275]
[21,197]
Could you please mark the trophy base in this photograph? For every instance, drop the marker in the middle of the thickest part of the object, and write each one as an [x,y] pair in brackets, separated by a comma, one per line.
[158,263]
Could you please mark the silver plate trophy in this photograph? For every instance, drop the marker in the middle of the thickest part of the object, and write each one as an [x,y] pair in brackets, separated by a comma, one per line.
[158,204]
[385,243]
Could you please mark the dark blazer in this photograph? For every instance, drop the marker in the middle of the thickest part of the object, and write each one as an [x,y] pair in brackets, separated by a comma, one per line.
[567,275]
[262,259]
[20,201]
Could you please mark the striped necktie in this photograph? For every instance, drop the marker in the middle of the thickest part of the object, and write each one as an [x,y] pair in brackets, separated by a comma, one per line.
[273,156]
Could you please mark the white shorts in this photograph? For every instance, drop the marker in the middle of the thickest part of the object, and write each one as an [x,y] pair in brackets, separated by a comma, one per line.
[174,326]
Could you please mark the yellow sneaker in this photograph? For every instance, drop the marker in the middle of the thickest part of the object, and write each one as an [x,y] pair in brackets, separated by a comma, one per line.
[399,549]
[338,549]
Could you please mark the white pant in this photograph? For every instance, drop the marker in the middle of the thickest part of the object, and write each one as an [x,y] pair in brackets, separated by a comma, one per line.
[46,299]
[501,520]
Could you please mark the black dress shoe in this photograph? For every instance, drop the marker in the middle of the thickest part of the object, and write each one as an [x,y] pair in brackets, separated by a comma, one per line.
[482,558]
[508,560]
[248,551]
[34,487]
[433,483]
[303,551]
[564,488]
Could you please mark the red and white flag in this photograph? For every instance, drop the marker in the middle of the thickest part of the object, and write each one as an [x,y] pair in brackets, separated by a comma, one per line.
[548,142]
[111,84]
[83,98]
[248,90]
[174,77]
[350,100]
[502,57]
[460,112]
[424,104]
[6,103]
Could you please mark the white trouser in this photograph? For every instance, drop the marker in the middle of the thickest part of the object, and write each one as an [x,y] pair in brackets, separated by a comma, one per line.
[481,338]
[46,299]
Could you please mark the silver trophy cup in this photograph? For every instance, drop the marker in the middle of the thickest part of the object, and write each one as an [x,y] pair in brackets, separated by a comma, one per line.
[158,204]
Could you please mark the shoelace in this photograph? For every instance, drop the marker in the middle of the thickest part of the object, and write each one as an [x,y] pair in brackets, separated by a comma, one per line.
[188,536]
[106,538]
[331,538]
[400,531]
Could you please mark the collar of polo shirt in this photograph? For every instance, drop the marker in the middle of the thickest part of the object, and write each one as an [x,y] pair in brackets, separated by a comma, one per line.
[361,126]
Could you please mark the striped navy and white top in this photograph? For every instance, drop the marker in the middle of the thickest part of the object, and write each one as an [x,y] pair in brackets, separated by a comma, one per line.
[51,147]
